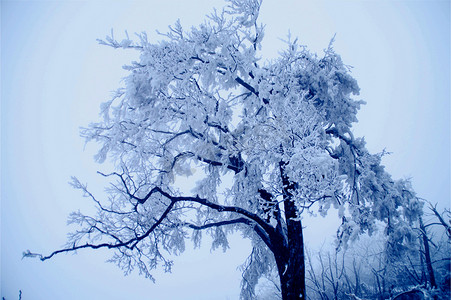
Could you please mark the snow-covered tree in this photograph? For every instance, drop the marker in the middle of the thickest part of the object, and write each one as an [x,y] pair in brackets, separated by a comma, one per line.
[269,140]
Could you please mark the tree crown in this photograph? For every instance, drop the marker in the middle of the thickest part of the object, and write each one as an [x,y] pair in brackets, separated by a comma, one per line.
[259,133]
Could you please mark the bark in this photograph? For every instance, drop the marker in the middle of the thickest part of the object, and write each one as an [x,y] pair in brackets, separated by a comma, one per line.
[291,263]
[293,280]
[427,255]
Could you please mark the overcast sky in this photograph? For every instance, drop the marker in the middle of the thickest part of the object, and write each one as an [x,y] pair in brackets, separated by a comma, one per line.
[54,76]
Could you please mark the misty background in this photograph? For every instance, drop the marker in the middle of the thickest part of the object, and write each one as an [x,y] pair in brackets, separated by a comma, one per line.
[54,76]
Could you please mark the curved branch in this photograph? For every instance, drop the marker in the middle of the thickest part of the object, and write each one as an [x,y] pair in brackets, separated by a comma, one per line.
[220,208]
[130,244]
[258,230]
[263,230]
[218,224]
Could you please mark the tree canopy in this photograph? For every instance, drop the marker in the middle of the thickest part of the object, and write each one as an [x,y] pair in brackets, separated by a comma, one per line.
[261,142]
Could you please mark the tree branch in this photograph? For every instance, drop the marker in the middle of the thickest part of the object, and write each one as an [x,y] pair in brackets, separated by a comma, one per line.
[220,208]
[218,224]
[250,88]
[441,220]
[130,244]
[260,232]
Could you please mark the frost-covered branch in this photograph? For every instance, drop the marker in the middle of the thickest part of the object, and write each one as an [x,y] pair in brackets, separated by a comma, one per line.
[129,244]
[442,221]
[207,203]
[200,101]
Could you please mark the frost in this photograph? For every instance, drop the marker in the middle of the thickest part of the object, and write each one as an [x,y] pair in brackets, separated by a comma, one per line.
[202,106]
[125,43]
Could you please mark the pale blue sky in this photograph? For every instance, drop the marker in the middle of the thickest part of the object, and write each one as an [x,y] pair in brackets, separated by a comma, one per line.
[54,76]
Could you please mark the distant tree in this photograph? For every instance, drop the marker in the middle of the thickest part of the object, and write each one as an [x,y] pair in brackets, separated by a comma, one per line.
[436,250]
[366,270]
[269,140]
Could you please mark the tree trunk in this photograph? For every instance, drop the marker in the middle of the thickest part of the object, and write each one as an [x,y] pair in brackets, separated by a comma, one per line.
[295,275]
[291,264]
[427,255]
